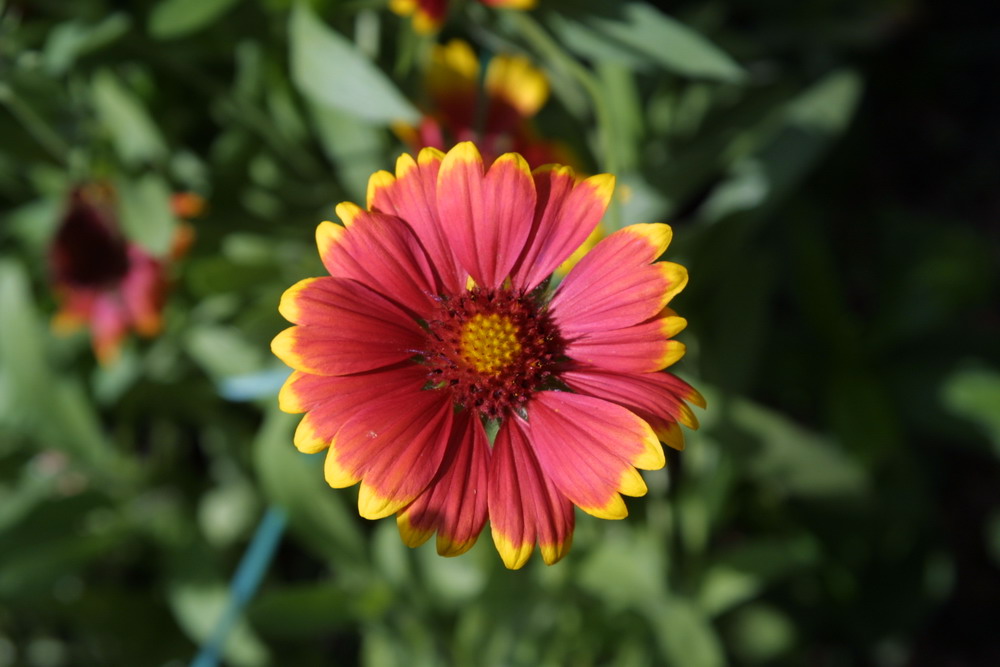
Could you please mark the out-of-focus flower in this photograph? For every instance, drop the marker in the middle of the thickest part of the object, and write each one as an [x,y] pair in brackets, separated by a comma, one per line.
[435,322]
[428,15]
[515,90]
[187,205]
[103,281]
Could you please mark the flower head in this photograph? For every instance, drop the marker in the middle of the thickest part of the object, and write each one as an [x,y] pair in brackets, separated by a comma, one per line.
[498,121]
[436,321]
[102,280]
[429,15]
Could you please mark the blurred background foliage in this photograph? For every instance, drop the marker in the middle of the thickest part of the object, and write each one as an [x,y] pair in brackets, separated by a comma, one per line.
[830,169]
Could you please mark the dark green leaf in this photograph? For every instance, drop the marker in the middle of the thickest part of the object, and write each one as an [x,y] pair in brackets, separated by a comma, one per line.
[132,130]
[637,34]
[176,18]
[330,70]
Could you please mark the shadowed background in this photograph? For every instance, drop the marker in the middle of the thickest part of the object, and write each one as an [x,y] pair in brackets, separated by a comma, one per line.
[830,171]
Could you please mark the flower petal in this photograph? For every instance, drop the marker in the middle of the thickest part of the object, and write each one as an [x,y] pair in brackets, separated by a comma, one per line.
[614,286]
[657,398]
[331,401]
[454,503]
[411,195]
[108,326]
[143,291]
[590,448]
[516,83]
[428,15]
[395,448]
[511,4]
[488,217]
[380,251]
[524,505]
[643,348]
[567,212]
[452,83]
[346,328]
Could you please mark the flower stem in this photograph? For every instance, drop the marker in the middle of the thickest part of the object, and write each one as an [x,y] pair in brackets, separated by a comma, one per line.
[551,49]
[245,582]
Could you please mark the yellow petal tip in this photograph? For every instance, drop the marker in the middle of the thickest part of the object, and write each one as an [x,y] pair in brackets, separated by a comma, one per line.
[372,505]
[348,212]
[514,556]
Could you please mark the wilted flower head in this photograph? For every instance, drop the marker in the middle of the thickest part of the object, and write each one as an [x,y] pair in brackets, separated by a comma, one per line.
[435,323]
[498,121]
[428,15]
[104,281]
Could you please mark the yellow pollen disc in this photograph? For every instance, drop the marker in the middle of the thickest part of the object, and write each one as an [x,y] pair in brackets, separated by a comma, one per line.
[489,342]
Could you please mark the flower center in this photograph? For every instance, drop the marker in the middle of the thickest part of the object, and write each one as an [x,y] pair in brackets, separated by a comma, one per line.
[492,348]
[489,342]
[86,251]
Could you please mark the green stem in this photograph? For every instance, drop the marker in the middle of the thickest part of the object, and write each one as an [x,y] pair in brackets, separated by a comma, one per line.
[550,48]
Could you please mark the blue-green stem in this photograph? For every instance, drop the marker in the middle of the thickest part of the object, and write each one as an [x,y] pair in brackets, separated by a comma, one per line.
[245,582]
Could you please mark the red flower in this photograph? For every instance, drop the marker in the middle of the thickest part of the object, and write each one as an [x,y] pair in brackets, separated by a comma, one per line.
[514,91]
[428,15]
[435,321]
[103,281]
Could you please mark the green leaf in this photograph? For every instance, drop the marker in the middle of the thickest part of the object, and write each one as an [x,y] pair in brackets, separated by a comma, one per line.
[175,18]
[357,147]
[197,605]
[828,105]
[455,581]
[304,610]
[294,481]
[762,633]
[624,567]
[795,461]
[330,70]
[724,587]
[53,408]
[974,394]
[685,635]
[133,133]
[804,128]
[146,215]
[223,351]
[637,34]
[30,569]
[68,41]
[228,512]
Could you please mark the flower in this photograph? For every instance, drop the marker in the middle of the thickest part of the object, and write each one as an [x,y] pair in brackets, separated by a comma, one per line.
[102,280]
[515,91]
[428,15]
[435,321]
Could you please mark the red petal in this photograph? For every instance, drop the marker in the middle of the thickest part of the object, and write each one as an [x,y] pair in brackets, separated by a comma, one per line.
[454,503]
[488,217]
[658,398]
[524,505]
[568,211]
[347,328]
[643,348]
[381,252]
[143,291]
[331,401]
[614,286]
[589,448]
[395,448]
[108,326]
[411,195]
